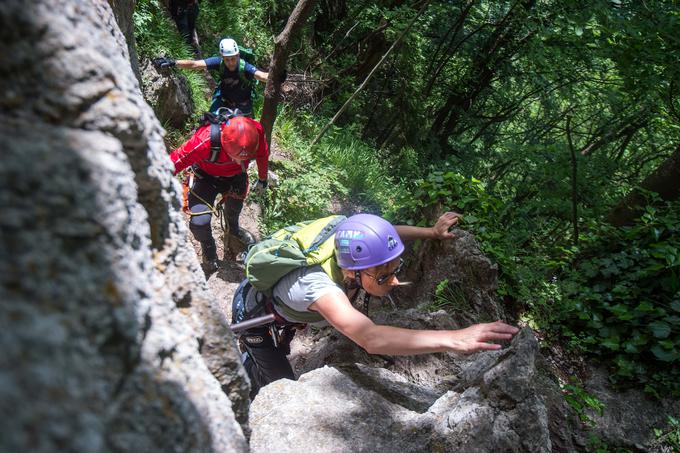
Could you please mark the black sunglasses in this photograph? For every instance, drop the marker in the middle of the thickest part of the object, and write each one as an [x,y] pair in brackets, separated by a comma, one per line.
[387,277]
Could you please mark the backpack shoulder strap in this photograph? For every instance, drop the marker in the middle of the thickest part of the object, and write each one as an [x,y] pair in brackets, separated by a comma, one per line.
[325,233]
[216,120]
[215,142]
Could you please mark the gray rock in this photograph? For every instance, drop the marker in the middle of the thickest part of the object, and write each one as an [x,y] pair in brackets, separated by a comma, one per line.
[472,279]
[168,93]
[123,10]
[629,417]
[94,258]
[363,409]
[325,411]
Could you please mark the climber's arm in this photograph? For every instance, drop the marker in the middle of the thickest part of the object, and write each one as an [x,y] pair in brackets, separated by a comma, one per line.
[261,76]
[377,339]
[440,230]
[191,64]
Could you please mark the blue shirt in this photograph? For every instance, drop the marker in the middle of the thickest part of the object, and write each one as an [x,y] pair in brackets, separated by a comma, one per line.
[235,88]
[214,63]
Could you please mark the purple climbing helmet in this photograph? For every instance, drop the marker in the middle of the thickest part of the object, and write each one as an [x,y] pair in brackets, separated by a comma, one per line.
[366,240]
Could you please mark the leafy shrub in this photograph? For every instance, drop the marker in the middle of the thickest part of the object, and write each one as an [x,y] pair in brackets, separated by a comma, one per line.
[617,298]
[623,302]
[668,439]
[581,401]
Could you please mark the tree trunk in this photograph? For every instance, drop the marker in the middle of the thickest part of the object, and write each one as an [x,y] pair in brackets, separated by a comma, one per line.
[665,181]
[282,45]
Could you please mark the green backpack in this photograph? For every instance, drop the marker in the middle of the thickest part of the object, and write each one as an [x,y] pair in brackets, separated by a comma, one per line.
[246,54]
[300,245]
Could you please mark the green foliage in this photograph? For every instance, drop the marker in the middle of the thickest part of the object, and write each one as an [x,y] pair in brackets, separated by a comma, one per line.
[668,439]
[358,169]
[617,299]
[315,182]
[582,402]
[451,191]
[622,300]
[241,20]
[305,192]
[155,32]
[449,297]
[597,445]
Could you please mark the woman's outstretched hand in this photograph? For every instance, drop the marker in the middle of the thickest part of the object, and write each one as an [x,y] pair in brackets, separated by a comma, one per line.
[444,223]
[478,337]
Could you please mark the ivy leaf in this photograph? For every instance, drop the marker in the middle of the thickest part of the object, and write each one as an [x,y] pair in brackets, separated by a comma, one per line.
[611,343]
[667,344]
[660,329]
[621,312]
[631,348]
[646,306]
[675,305]
[639,340]
[665,356]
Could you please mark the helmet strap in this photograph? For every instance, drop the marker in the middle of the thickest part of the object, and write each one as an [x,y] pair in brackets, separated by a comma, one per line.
[352,287]
[367,297]
[357,279]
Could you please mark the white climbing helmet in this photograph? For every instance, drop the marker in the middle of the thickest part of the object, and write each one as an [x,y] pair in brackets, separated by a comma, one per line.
[228,47]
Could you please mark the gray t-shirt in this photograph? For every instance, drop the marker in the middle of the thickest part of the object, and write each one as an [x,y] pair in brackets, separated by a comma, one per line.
[302,287]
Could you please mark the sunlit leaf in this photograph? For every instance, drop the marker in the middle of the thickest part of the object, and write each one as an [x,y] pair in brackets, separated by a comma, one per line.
[660,329]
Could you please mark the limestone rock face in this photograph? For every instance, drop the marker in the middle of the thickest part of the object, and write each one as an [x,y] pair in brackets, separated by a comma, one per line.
[122,10]
[94,262]
[493,405]
[167,92]
[472,278]
[630,416]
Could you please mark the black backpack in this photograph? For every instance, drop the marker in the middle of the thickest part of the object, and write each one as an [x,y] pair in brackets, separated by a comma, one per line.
[216,120]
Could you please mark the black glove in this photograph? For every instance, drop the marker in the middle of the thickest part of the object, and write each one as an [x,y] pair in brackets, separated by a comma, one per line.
[260,186]
[163,62]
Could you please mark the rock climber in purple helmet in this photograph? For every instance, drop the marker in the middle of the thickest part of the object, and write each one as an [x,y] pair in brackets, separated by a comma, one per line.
[368,252]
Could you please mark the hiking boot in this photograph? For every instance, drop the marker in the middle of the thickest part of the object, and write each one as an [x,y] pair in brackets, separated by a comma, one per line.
[245,237]
[241,241]
[209,257]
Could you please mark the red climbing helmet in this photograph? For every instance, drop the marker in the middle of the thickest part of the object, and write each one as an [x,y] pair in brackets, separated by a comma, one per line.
[240,138]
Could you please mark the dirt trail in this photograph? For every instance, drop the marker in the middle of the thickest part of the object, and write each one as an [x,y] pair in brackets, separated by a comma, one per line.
[226,279]
[224,282]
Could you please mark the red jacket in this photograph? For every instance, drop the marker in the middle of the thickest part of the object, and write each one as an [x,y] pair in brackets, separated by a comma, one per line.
[196,150]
